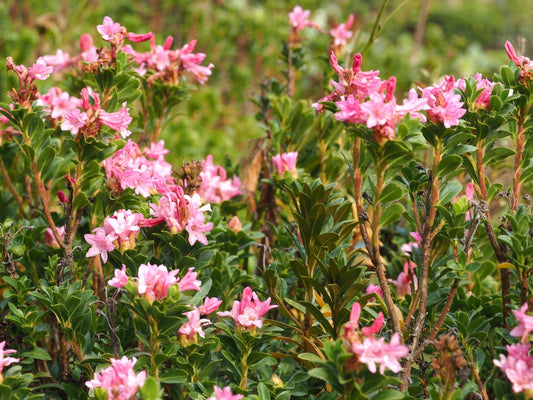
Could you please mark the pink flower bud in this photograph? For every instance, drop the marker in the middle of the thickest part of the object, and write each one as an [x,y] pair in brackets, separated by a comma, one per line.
[63,198]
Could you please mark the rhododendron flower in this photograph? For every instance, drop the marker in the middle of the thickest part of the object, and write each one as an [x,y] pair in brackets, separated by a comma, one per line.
[341,33]
[118,121]
[369,350]
[124,224]
[373,289]
[518,366]
[58,61]
[404,279]
[286,162]
[5,361]
[189,281]
[214,185]
[191,62]
[112,31]
[193,327]
[225,394]
[445,105]
[74,120]
[120,279]
[210,305]
[119,380]
[59,103]
[525,326]
[129,168]
[484,86]
[40,70]
[524,63]
[248,312]
[299,19]
[100,243]
[154,280]
[235,224]
[50,239]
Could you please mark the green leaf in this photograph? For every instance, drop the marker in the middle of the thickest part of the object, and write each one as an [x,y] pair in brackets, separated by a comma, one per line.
[391,214]
[449,191]
[262,391]
[80,201]
[508,76]
[150,389]
[174,376]
[37,354]
[497,154]
[391,192]
[389,394]
[45,158]
[448,164]
[310,357]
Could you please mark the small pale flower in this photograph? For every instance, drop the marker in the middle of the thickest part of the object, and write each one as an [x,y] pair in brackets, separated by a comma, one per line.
[120,279]
[100,243]
[248,312]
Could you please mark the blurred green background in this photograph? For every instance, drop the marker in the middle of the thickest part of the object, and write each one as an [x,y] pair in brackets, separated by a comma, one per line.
[419,41]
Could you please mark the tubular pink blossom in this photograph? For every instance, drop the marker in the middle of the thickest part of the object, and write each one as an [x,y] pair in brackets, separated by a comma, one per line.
[189,281]
[154,281]
[248,312]
[143,37]
[118,121]
[5,361]
[40,70]
[525,326]
[120,279]
[225,394]
[119,380]
[100,243]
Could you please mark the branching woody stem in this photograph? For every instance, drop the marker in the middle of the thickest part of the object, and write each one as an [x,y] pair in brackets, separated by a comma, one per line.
[372,244]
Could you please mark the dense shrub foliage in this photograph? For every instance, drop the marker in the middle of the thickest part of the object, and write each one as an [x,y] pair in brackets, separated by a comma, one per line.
[372,244]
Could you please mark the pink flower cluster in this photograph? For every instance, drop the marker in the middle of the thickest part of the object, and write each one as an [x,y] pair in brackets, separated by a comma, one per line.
[299,19]
[119,380]
[523,62]
[77,115]
[484,86]
[369,350]
[518,364]
[181,212]
[119,231]
[341,33]
[153,281]
[363,98]
[5,361]
[225,394]
[141,170]
[193,327]
[248,312]
[214,186]
[445,106]
[286,162]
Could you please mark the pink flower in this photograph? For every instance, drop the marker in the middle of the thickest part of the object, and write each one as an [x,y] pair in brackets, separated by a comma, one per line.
[525,326]
[225,394]
[403,281]
[523,62]
[118,121]
[248,312]
[191,62]
[120,279]
[215,187]
[5,361]
[50,239]
[371,352]
[189,281]
[193,327]
[286,162]
[111,31]
[445,105]
[124,224]
[74,120]
[210,305]
[299,19]
[119,380]
[235,224]
[100,243]
[154,281]
[59,61]
[518,366]
[341,33]
[374,289]
[40,70]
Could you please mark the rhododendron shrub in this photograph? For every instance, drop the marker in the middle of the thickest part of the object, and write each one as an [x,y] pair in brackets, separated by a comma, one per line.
[372,244]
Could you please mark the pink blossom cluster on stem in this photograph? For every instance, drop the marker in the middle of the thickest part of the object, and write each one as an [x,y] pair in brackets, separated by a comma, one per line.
[518,364]
[363,98]
[248,313]
[371,351]
[190,330]
[5,361]
[153,281]
[286,162]
[119,380]
[224,394]
[215,187]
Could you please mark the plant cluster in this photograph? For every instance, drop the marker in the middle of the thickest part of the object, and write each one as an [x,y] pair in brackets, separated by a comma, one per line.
[370,248]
